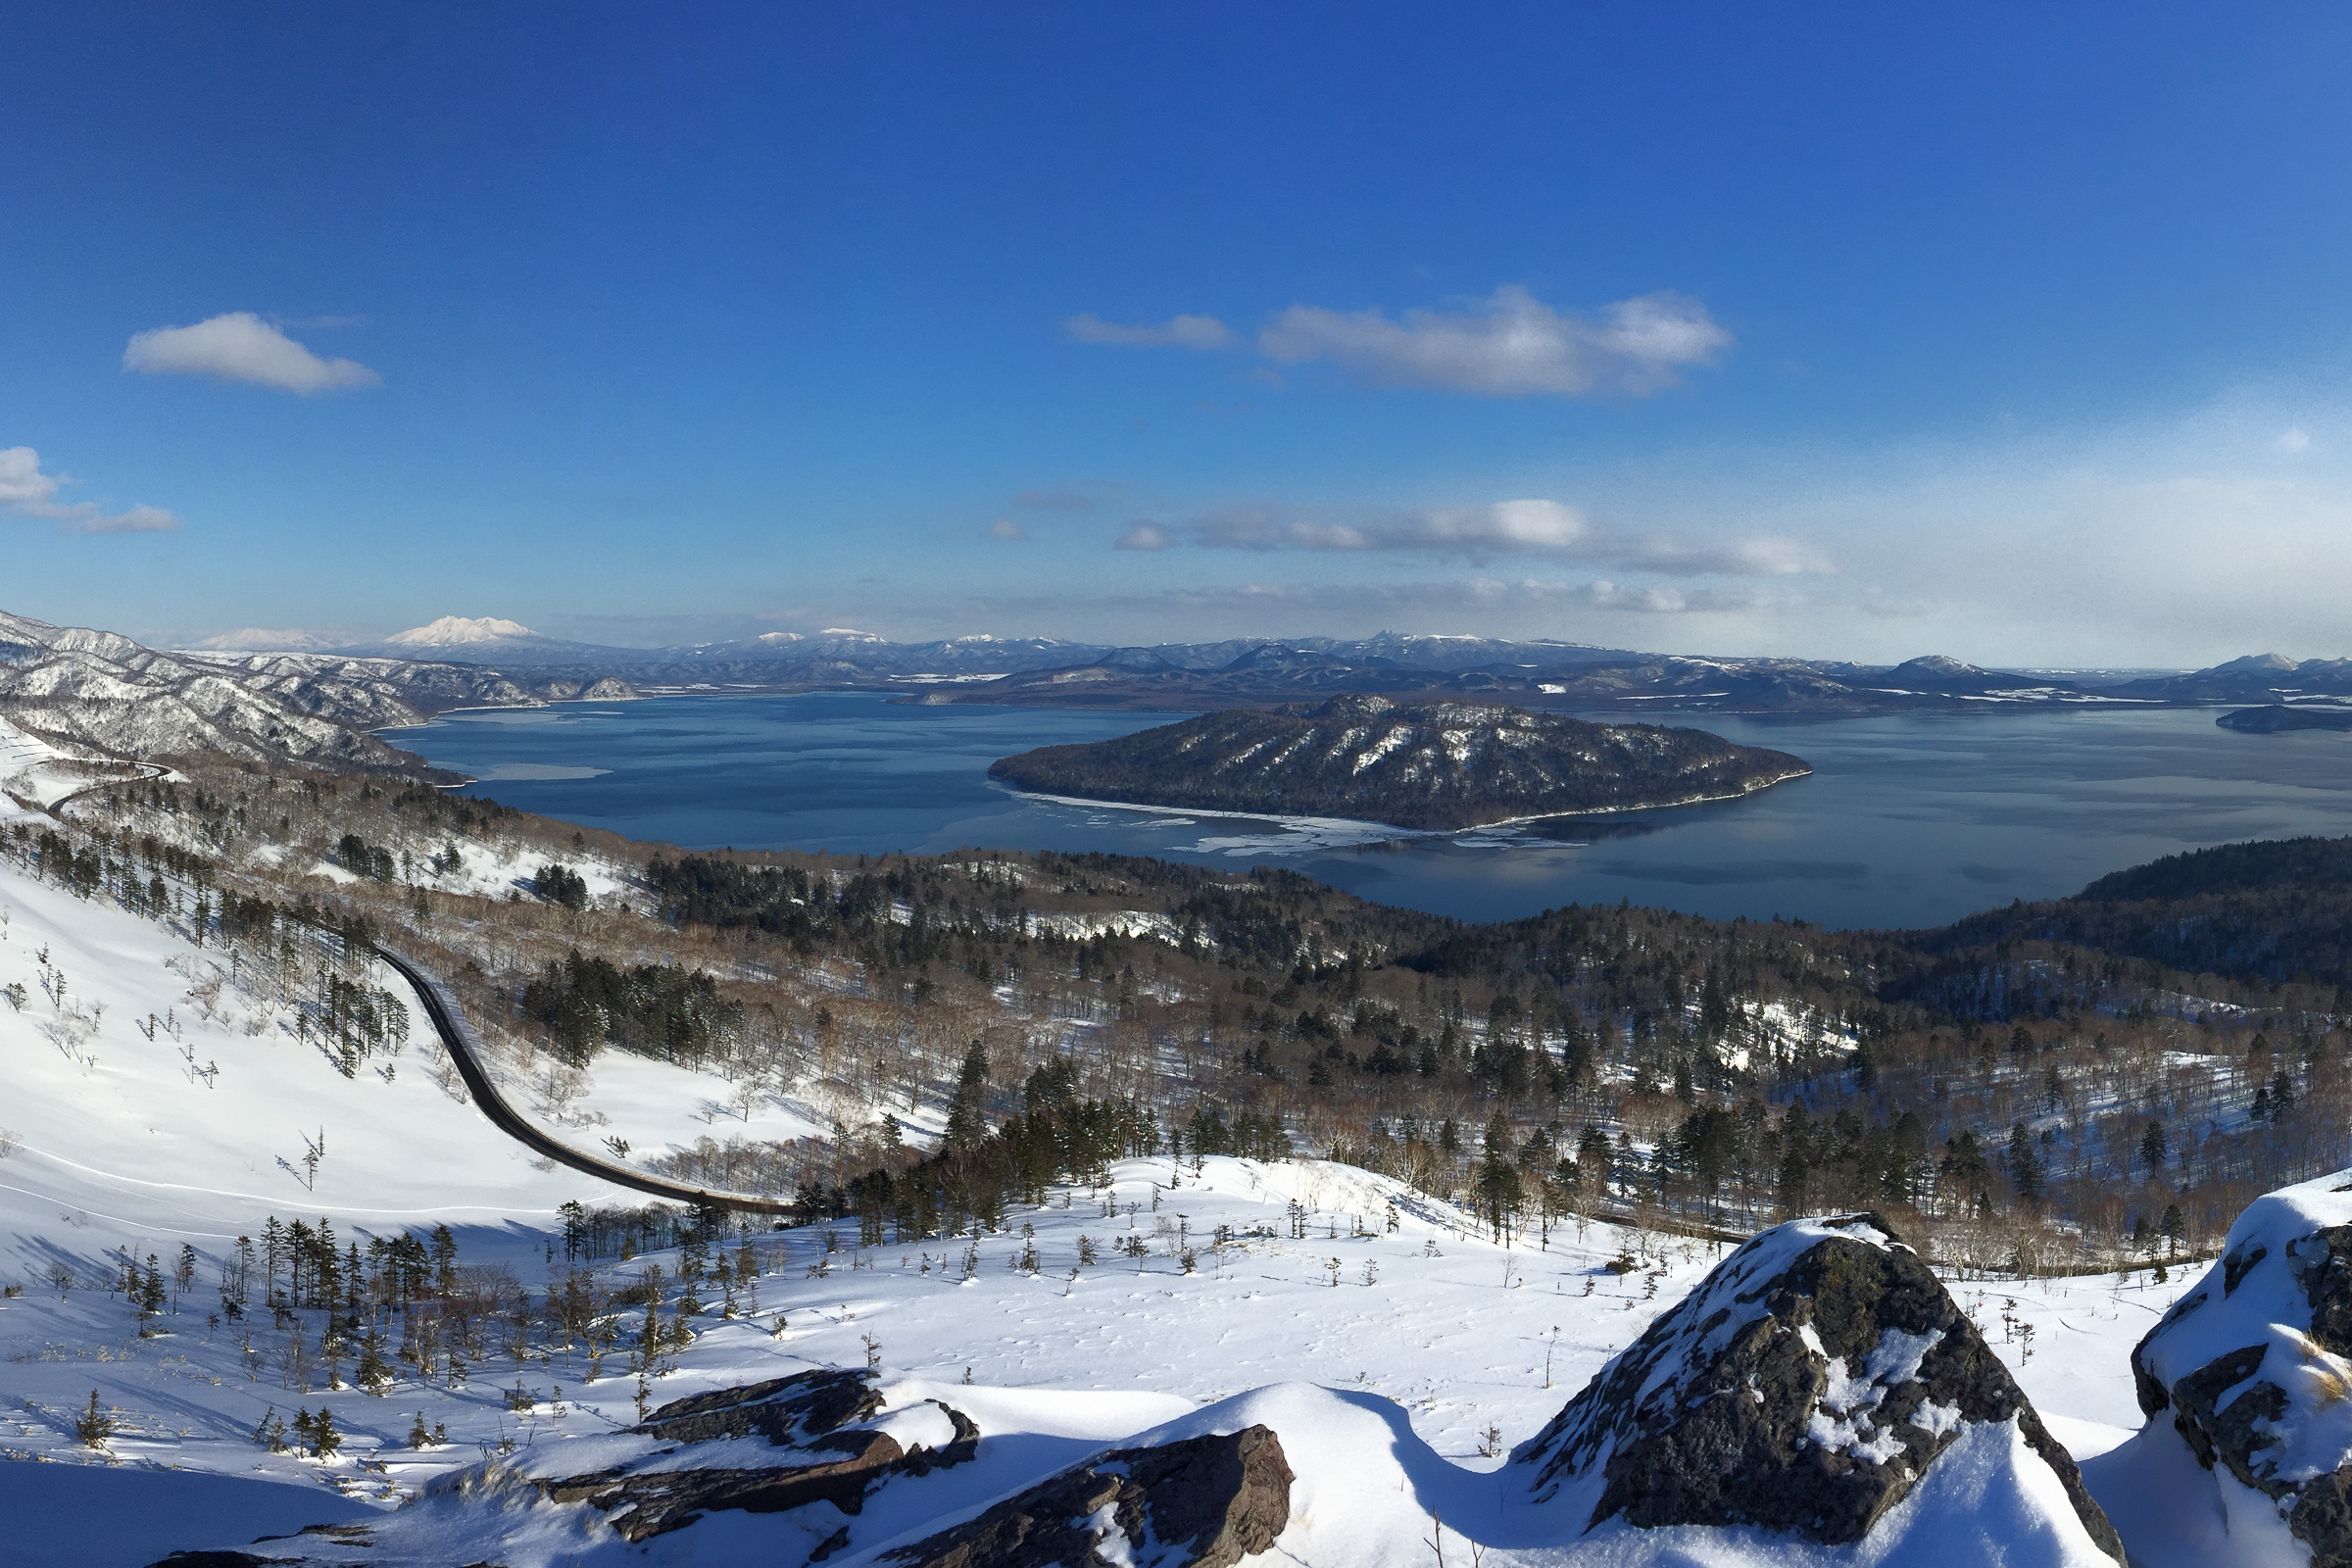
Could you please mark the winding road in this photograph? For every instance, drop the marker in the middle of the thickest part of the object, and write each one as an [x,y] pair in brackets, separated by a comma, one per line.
[450,1024]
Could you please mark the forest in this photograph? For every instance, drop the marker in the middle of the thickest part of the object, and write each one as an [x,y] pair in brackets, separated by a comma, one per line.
[2100,1081]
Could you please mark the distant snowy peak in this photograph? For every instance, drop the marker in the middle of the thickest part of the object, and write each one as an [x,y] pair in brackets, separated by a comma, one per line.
[262,640]
[459,631]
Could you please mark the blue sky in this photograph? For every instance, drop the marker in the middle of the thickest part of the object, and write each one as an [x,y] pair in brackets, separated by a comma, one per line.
[2017,333]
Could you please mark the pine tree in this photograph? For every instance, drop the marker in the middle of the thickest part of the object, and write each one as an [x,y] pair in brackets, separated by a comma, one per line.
[2282,1095]
[324,1439]
[373,1375]
[1498,1188]
[968,1111]
[2025,1164]
[2151,1150]
[94,1426]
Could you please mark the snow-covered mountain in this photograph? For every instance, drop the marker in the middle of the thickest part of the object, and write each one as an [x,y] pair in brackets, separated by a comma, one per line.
[2255,678]
[484,640]
[455,631]
[264,640]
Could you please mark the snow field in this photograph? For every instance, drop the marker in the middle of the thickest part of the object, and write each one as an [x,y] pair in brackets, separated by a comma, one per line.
[1400,1360]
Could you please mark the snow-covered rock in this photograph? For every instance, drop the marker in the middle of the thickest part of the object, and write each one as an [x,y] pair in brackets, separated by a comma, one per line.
[2255,1367]
[1204,1501]
[1808,1385]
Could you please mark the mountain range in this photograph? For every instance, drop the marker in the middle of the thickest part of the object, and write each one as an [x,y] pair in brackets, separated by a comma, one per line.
[298,701]
[1247,671]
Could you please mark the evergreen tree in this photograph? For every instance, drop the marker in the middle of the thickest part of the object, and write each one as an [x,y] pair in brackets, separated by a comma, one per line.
[968,1111]
[2282,1095]
[2025,1164]
[2151,1150]
[1498,1187]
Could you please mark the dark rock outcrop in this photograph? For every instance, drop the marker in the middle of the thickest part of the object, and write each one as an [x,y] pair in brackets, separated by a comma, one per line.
[2255,1365]
[1199,1502]
[1806,1386]
[837,1468]
[811,1416]
[782,1409]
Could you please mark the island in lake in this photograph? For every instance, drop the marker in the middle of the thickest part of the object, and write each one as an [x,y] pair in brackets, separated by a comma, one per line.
[1437,766]
[2275,718]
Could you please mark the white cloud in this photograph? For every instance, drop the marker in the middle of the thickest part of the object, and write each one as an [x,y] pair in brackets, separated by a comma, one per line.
[1141,536]
[28,492]
[22,484]
[243,347]
[1510,344]
[1177,332]
[1006,529]
[2294,439]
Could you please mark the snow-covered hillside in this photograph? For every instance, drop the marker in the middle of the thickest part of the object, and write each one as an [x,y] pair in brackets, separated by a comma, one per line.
[100,690]
[155,1100]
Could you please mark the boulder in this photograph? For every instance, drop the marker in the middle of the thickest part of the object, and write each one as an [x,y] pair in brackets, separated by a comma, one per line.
[1197,1502]
[815,1454]
[1806,1386]
[780,1409]
[2254,1367]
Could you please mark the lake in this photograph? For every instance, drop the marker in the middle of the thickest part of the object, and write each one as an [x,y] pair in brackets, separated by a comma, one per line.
[1909,820]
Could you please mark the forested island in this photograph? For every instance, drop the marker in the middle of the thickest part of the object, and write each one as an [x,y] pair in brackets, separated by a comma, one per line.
[2273,718]
[1434,767]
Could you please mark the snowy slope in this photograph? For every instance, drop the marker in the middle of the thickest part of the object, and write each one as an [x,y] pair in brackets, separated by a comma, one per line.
[1399,1356]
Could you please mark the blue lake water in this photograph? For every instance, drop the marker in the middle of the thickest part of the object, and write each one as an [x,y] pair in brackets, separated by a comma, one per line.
[1910,820]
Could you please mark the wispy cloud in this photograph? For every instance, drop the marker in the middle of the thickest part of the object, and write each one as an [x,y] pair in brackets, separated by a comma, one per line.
[27,491]
[1505,526]
[1508,345]
[240,346]
[1527,527]
[135,519]
[1177,332]
[1010,531]
[1141,536]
